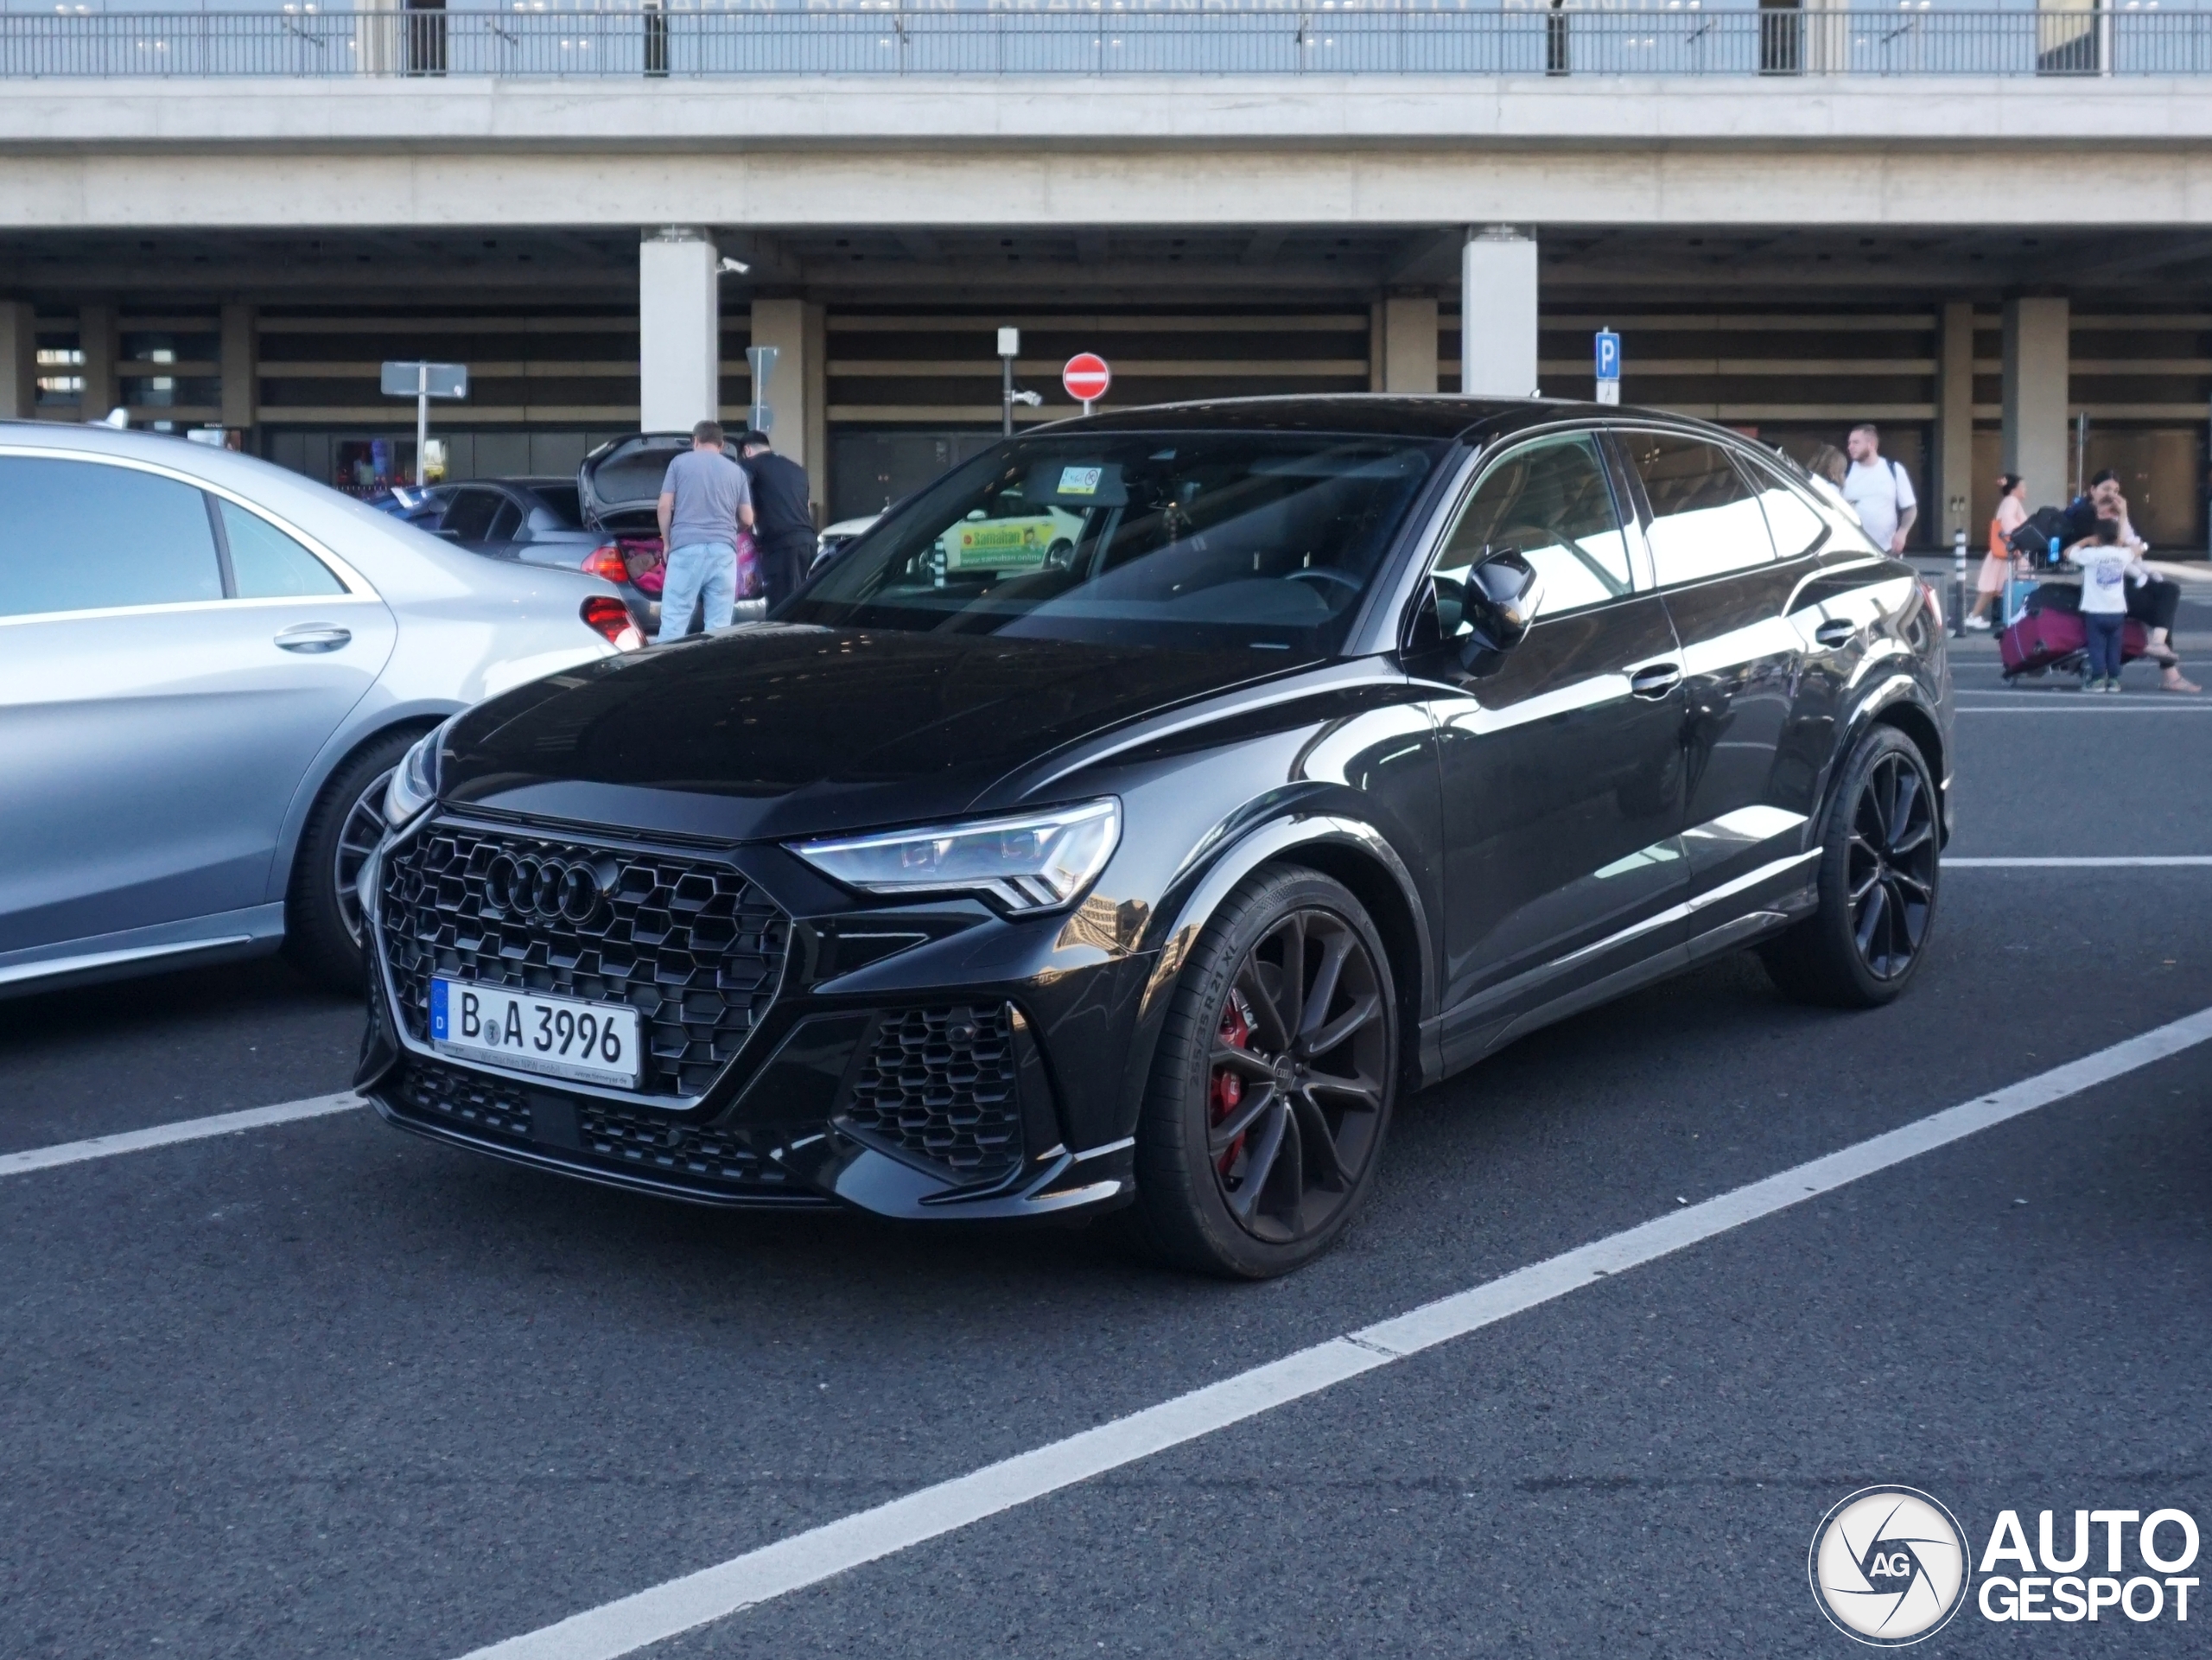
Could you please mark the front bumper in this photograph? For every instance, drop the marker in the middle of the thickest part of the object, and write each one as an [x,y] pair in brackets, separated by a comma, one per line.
[939,1080]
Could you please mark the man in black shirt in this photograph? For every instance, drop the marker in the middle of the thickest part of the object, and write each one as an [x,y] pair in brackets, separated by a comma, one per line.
[783,517]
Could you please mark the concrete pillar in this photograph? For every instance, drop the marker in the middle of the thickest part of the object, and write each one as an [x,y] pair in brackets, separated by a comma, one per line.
[1956,494]
[1497,312]
[679,330]
[817,412]
[96,340]
[18,361]
[797,384]
[1408,345]
[241,368]
[2036,350]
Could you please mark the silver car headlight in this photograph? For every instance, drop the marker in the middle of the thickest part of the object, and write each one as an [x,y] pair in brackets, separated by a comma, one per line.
[414,781]
[1031,862]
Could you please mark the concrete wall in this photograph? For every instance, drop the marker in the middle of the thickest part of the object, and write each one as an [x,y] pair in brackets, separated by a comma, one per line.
[1379,150]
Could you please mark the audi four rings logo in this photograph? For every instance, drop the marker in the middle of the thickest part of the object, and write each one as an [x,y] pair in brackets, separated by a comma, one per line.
[543,888]
[1889,1566]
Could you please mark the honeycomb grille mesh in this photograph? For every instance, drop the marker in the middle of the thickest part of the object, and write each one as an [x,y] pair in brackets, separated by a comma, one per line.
[691,944]
[938,1083]
[464,1100]
[652,1143]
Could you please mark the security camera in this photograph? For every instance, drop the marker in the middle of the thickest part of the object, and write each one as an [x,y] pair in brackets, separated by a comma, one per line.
[732,267]
[1030,398]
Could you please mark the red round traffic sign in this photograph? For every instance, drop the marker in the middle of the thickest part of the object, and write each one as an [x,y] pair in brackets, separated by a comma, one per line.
[1086,376]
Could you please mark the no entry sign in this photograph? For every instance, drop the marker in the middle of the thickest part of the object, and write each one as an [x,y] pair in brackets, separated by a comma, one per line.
[1086,377]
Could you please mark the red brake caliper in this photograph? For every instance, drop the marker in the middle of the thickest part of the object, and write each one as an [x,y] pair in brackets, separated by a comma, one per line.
[1227,1088]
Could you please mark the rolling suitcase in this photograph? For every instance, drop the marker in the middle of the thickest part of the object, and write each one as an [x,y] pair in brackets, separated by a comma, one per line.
[2047,638]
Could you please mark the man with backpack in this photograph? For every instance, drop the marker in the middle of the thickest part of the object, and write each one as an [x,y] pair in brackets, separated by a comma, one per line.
[1879,489]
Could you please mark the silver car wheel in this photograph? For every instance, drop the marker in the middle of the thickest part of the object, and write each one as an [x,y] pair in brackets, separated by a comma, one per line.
[357,838]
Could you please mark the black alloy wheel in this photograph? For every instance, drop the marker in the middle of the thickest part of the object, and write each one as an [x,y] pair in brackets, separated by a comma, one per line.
[322,915]
[1274,1083]
[1891,866]
[1878,880]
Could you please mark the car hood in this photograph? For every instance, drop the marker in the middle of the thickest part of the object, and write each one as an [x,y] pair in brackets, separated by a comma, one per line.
[780,731]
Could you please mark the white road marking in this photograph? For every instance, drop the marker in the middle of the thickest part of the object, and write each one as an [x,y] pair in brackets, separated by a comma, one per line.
[189,1129]
[2088,863]
[681,1605]
[2174,706]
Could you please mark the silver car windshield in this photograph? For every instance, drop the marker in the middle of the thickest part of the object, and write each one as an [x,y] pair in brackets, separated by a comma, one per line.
[1191,540]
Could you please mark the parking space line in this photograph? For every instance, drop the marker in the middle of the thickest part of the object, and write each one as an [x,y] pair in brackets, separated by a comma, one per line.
[631,1623]
[2087,861]
[189,1129]
[2174,707]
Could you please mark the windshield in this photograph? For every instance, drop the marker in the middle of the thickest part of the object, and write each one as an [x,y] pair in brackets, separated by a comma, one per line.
[1234,540]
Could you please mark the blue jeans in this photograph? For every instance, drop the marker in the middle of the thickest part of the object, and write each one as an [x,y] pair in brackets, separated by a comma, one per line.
[706,570]
[2104,643]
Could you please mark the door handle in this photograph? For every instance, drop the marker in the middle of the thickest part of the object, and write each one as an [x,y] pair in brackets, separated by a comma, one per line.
[1655,681]
[1836,633]
[314,637]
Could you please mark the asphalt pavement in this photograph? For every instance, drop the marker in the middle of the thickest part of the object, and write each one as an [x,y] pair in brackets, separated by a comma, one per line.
[321,1388]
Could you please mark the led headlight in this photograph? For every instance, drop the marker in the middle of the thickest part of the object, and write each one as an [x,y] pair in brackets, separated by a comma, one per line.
[1027,863]
[415,782]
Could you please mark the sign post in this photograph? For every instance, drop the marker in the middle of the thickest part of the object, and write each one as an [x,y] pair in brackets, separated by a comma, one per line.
[1086,378]
[1609,366]
[761,359]
[422,382]
[1009,349]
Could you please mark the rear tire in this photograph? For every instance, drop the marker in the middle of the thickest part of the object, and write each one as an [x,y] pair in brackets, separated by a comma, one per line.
[1271,1093]
[1879,874]
[322,917]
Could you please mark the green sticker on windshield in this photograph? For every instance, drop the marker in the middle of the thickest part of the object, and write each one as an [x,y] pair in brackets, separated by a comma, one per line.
[1080,480]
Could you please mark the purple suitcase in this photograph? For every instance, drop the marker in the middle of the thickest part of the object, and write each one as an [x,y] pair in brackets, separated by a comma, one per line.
[2051,639]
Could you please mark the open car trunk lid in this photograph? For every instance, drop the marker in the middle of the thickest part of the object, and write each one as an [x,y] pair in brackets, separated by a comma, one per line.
[618,484]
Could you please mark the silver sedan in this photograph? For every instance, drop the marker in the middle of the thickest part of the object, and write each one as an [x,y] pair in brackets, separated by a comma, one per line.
[209,668]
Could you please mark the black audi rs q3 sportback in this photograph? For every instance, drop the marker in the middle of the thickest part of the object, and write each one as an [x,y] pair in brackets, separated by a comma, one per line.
[1132,815]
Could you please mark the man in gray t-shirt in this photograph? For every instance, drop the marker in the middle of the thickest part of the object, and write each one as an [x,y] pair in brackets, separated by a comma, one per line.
[704,500]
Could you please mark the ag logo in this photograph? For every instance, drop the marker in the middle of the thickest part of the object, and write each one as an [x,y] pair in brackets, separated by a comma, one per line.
[1889,1566]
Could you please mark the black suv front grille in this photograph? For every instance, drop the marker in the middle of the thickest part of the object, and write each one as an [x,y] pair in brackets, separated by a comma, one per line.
[938,1083]
[688,942]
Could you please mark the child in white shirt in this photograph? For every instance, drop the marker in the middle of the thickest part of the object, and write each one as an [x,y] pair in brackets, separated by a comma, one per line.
[2107,566]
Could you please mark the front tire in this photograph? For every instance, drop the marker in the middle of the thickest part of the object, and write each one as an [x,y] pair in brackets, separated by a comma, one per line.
[322,917]
[1272,1087]
[1878,876]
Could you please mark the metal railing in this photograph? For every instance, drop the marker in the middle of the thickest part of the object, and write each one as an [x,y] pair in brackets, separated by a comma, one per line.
[894,41]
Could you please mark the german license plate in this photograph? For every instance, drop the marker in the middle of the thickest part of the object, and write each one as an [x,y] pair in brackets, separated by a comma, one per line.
[562,1037]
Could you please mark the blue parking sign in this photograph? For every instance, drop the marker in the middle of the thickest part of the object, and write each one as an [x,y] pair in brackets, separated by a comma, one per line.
[1609,355]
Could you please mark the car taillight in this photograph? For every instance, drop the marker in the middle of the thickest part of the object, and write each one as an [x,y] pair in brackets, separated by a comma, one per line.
[607,561]
[611,618]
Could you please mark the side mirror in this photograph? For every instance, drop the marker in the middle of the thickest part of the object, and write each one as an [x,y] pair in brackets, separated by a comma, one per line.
[1500,600]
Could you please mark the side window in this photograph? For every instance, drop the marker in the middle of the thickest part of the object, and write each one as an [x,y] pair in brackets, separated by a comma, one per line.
[267,564]
[469,517]
[1550,499]
[504,522]
[1789,518]
[1704,521]
[82,536]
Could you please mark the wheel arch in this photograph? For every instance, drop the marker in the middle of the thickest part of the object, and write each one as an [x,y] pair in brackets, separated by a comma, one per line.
[1346,850]
[416,723]
[1918,725]
[1896,703]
